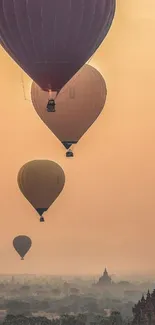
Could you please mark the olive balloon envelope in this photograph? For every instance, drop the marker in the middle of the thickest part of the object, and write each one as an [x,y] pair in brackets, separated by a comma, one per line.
[41,182]
[52,39]
[78,105]
[22,245]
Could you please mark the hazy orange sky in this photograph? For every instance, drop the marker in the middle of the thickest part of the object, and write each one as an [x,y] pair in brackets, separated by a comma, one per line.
[106,213]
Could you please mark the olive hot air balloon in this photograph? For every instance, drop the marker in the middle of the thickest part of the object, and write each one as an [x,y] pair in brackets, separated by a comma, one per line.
[22,245]
[41,181]
[78,105]
[51,40]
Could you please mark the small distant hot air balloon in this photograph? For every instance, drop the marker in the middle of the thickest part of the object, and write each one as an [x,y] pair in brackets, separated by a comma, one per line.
[22,245]
[78,105]
[51,40]
[41,182]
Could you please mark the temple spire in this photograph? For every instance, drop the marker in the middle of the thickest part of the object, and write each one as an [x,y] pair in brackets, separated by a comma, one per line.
[105,279]
[105,271]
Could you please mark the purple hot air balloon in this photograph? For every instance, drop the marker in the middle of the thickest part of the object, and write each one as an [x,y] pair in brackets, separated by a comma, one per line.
[52,39]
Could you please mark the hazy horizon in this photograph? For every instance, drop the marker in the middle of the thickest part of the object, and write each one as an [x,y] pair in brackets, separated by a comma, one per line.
[122,276]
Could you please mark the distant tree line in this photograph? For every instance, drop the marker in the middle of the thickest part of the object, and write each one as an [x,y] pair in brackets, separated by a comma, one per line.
[81,319]
[71,304]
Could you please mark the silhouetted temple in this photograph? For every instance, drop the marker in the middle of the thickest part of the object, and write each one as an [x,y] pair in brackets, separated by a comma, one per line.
[105,279]
[144,310]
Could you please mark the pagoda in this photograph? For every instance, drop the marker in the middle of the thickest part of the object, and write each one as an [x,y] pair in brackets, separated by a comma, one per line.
[105,279]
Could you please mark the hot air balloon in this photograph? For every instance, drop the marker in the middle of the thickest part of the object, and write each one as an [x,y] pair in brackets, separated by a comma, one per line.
[78,105]
[22,245]
[41,181]
[51,40]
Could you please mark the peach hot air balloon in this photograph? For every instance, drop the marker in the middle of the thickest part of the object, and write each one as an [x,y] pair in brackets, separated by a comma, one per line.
[78,105]
[41,182]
